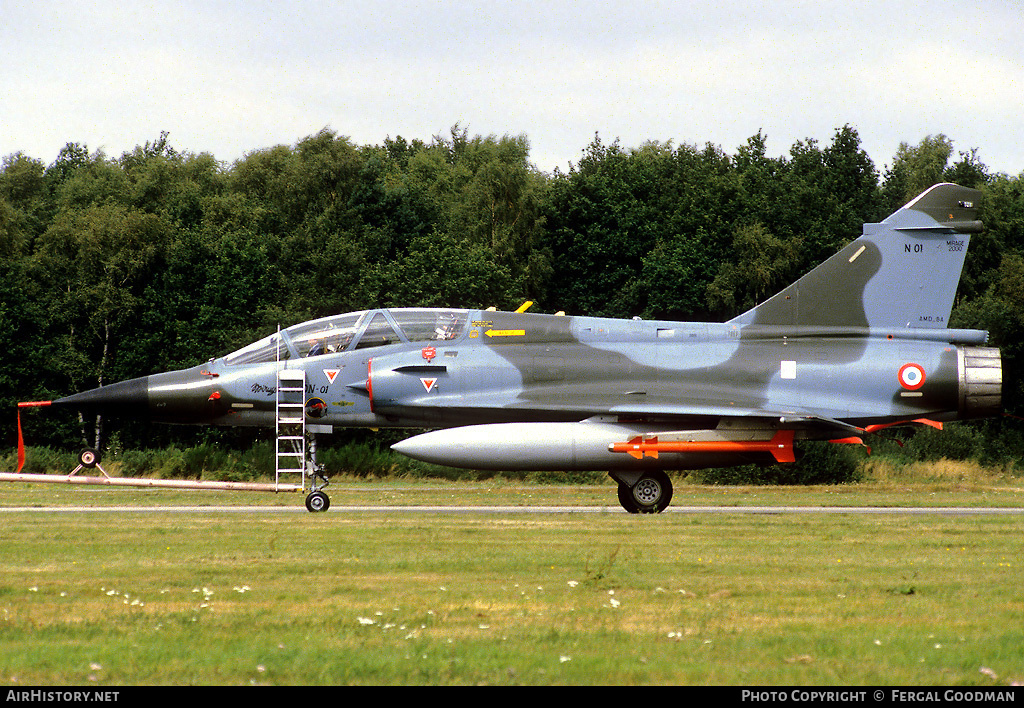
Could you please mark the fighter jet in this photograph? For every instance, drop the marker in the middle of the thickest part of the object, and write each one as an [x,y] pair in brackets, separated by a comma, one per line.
[856,345]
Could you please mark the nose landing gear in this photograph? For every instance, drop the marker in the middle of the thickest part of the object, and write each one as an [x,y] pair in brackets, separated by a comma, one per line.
[317,501]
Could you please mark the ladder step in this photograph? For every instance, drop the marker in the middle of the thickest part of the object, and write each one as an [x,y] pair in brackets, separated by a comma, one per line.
[291,451]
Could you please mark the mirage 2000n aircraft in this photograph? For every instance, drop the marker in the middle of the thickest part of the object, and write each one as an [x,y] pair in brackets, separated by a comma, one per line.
[858,344]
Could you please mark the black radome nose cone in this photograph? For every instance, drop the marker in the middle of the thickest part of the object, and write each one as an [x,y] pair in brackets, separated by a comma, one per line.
[185,396]
[122,398]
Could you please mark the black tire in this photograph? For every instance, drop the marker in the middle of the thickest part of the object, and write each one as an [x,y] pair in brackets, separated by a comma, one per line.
[89,458]
[652,493]
[317,502]
[626,499]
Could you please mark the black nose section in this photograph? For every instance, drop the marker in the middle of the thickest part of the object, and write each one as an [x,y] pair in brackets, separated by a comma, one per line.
[123,398]
[186,396]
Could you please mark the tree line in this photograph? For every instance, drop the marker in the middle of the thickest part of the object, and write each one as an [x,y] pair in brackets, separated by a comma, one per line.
[117,267]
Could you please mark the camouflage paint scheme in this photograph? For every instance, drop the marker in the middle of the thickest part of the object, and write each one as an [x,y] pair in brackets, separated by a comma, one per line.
[858,344]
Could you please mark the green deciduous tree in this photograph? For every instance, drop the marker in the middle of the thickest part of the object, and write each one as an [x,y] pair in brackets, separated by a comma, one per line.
[91,268]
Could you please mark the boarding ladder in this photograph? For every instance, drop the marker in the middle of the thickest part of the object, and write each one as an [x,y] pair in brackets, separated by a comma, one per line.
[291,424]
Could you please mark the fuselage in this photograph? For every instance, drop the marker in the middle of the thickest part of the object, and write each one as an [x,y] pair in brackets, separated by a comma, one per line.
[436,368]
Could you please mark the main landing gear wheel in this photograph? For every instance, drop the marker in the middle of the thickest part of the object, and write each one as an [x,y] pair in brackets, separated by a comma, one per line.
[626,499]
[650,495]
[318,501]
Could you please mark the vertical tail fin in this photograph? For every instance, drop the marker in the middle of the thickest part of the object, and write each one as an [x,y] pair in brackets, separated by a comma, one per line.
[901,272]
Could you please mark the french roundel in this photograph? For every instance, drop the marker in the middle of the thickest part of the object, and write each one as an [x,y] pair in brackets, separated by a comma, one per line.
[911,376]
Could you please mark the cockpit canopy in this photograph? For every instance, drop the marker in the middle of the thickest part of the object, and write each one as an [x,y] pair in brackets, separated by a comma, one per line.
[354,330]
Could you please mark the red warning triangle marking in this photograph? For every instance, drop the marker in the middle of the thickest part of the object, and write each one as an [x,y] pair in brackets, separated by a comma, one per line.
[331,374]
[428,384]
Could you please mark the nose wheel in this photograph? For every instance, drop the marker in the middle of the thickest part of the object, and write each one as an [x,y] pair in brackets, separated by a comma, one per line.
[317,501]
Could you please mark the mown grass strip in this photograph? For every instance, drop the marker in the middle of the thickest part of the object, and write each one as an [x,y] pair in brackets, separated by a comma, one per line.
[214,598]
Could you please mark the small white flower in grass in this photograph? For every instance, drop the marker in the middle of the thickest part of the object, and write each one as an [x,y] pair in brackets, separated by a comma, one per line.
[562,659]
[988,672]
[366,621]
[242,589]
[878,642]
[572,583]
[34,588]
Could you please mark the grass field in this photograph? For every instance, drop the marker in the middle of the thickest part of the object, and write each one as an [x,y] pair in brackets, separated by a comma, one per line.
[227,598]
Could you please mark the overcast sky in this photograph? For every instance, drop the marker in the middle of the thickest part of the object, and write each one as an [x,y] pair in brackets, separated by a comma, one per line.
[229,78]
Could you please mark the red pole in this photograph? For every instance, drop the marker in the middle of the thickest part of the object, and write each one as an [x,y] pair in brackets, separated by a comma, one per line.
[21,439]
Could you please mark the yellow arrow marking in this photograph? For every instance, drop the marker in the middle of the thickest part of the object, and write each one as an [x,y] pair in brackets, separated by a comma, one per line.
[505,332]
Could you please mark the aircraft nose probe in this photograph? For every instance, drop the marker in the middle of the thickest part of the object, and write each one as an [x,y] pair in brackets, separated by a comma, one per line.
[124,397]
[188,395]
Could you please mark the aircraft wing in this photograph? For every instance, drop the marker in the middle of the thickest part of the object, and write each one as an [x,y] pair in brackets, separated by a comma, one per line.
[785,419]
